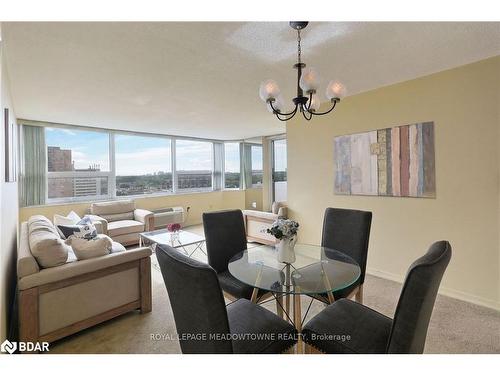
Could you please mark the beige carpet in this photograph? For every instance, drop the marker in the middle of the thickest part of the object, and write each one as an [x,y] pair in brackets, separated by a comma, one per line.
[455,327]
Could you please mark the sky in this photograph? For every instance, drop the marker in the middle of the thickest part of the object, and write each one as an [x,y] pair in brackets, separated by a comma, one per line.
[139,155]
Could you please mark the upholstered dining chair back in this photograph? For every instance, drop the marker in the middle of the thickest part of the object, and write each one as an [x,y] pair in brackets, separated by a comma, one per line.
[413,313]
[197,302]
[348,231]
[225,237]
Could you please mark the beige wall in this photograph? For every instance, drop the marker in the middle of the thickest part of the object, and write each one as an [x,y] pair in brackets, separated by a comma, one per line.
[8,214]
[464,104]
[198,203]
[253,195]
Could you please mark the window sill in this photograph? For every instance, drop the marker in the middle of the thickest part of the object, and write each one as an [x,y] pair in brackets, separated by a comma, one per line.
[123,197]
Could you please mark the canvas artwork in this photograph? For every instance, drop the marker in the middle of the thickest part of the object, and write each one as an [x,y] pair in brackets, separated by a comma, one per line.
[395,162]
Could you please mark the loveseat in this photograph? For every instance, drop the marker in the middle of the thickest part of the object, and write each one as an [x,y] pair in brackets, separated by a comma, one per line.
[121,221]
[257,222]
[59,296]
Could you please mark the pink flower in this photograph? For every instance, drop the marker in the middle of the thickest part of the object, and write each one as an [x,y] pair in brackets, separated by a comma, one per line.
[174,227]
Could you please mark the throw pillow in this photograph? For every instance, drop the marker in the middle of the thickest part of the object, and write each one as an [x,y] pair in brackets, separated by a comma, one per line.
[71,219]
[95,247]
[83,229]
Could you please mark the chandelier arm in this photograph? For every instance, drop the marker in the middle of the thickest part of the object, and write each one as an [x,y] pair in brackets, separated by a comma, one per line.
[308,118]
[324,113]
[308,106]
[283,114]
[288,116]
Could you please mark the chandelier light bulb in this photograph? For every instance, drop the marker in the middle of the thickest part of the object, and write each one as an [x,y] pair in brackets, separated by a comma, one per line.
[335,90]
[269,90]
[315,103]
[278,104]
[309,80]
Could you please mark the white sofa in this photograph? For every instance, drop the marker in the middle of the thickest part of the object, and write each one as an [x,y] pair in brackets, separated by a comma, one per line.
[121,221]
[257,223]
[61,300]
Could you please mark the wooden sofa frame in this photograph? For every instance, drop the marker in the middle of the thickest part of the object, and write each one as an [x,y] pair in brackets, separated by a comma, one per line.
[29,302]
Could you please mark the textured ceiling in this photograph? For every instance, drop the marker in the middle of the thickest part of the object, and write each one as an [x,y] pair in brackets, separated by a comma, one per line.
[202,79]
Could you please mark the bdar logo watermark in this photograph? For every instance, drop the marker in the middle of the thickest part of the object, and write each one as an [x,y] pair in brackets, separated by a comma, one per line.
[10,347]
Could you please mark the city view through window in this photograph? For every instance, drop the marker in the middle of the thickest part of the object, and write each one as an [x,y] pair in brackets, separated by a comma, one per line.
[78,164]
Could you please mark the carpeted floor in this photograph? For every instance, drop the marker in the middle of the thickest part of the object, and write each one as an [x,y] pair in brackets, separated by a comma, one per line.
[455,327]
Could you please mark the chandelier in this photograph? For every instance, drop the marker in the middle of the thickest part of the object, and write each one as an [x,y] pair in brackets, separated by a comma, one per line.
[307,100]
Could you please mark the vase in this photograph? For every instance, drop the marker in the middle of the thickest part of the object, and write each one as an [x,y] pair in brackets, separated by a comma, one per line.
[286,252]
[174,237]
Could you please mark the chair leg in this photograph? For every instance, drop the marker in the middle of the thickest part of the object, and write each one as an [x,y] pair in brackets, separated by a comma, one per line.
[359,294]
[279,305]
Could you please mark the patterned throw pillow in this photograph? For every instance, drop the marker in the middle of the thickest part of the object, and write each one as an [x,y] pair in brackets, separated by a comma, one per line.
[83,229]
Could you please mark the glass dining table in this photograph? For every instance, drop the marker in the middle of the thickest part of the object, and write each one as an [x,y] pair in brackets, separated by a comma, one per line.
[317,272]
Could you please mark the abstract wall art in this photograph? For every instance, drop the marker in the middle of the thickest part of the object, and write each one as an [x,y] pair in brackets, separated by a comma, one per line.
[395,162]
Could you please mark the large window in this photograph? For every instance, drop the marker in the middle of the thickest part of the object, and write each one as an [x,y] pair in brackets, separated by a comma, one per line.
[279,170]
[232,165]
[194,165]
[256,166]
[86,164]
[77,164]
[143,165]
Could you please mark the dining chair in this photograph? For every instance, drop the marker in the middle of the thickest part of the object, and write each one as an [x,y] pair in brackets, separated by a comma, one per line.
[204,324]
[348,231]
[349,327]
[224,238]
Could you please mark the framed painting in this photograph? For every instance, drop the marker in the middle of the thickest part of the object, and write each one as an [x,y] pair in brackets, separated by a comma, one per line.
[396,162]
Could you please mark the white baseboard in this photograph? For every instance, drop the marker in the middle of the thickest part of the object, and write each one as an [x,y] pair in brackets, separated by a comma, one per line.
[449,292]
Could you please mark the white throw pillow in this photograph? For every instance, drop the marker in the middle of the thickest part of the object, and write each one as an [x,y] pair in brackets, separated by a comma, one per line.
[86,249]
[71,219]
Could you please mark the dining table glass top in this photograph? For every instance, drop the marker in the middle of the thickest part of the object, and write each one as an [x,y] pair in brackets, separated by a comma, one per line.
[316,270]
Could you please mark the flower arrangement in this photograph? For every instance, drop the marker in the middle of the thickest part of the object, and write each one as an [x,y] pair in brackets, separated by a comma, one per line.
[283,229]
[174,227]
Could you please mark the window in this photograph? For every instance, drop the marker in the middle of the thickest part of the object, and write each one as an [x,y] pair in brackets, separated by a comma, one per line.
[232,165]
[143,165]
[77,164]
[85,164]
[257,174]
[194,165]
[279,170]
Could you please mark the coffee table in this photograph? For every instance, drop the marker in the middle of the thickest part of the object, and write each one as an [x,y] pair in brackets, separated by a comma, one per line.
[180,240]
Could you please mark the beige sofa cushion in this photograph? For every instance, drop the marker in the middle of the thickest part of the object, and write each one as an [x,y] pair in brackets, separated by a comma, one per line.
[118,217]
[26,263]
[95,247]
[45,243]
[111,208]
[81,267]
[117,228]
[280,209]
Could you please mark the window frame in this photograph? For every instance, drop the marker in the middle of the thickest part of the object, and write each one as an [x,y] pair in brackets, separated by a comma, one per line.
[75,174]
[223,170]
[252,185]
[114,133]
[111,174]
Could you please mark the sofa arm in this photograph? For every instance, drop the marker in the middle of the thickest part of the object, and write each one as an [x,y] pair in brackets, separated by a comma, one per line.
[146,217]
[283,212]
[100,223]
[81,267]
